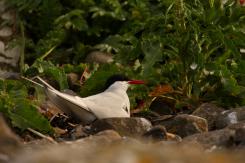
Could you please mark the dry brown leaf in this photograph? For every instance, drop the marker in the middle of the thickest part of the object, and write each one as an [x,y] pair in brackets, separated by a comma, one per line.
[160,90]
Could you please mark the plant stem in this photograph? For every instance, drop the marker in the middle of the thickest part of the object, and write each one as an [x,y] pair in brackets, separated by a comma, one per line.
[22,52]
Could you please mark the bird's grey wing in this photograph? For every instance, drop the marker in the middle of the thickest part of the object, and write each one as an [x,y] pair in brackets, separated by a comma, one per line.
[71,105]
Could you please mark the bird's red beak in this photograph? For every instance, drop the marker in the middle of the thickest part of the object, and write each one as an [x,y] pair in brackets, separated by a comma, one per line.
[136,82]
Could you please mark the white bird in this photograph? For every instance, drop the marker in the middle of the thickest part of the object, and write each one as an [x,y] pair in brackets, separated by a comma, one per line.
[113,102]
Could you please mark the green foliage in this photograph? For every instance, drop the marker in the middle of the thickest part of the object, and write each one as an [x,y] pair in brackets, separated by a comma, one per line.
[191,46]
[96,83]
[50,70]
[22,112]
[194,46]
[73,20]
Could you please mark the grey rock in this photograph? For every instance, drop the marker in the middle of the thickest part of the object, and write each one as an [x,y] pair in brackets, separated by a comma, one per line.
[231,136]
[236,126]
[229,117]
[8,15]
[132,127]
[239,138]
[210,112]
[185,125]
[9,142]
[217,138]
[5,32]
[10,54]
[103,137]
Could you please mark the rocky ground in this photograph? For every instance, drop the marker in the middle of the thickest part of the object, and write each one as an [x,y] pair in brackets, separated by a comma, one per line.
[209,134]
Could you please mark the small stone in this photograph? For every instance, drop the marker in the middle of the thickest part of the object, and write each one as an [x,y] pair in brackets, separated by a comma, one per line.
[8,15]
[156,133]
[173,137]
[73,81]
[112,135]
[209,112]
[159,133]
[185,125]
[99,57]
[229,117]
[132,127]
[79,132]
[58,131]
[6,32]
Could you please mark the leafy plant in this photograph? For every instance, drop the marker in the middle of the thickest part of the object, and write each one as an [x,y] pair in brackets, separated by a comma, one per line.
[190,46]
[41,67]
[194,46]
[22,112]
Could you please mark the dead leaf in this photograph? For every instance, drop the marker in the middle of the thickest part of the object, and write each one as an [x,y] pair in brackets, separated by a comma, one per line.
[160,90]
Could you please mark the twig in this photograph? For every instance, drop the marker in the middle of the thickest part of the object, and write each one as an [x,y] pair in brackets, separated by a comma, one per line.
[71,124]
[63,115]
[52,118]
[83,74]
[48,52]
[42,135]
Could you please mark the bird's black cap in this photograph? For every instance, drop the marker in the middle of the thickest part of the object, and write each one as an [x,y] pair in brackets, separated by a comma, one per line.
[114,78]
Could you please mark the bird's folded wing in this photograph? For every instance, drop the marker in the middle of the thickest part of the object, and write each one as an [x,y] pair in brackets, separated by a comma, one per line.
[71,105]
[75,100]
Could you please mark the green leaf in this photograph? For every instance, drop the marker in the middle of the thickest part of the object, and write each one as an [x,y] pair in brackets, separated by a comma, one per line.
[96,83]
[21,111]
[49,69]
[25,115]
[73,20]
[152,50]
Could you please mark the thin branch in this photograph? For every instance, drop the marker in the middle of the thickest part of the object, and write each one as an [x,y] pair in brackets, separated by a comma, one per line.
[42,135]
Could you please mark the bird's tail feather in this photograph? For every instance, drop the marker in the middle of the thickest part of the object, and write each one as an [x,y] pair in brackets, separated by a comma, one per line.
[45,83]
[32,81]
[53,94]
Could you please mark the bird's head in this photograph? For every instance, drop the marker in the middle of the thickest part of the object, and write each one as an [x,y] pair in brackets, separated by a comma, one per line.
[121,81]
